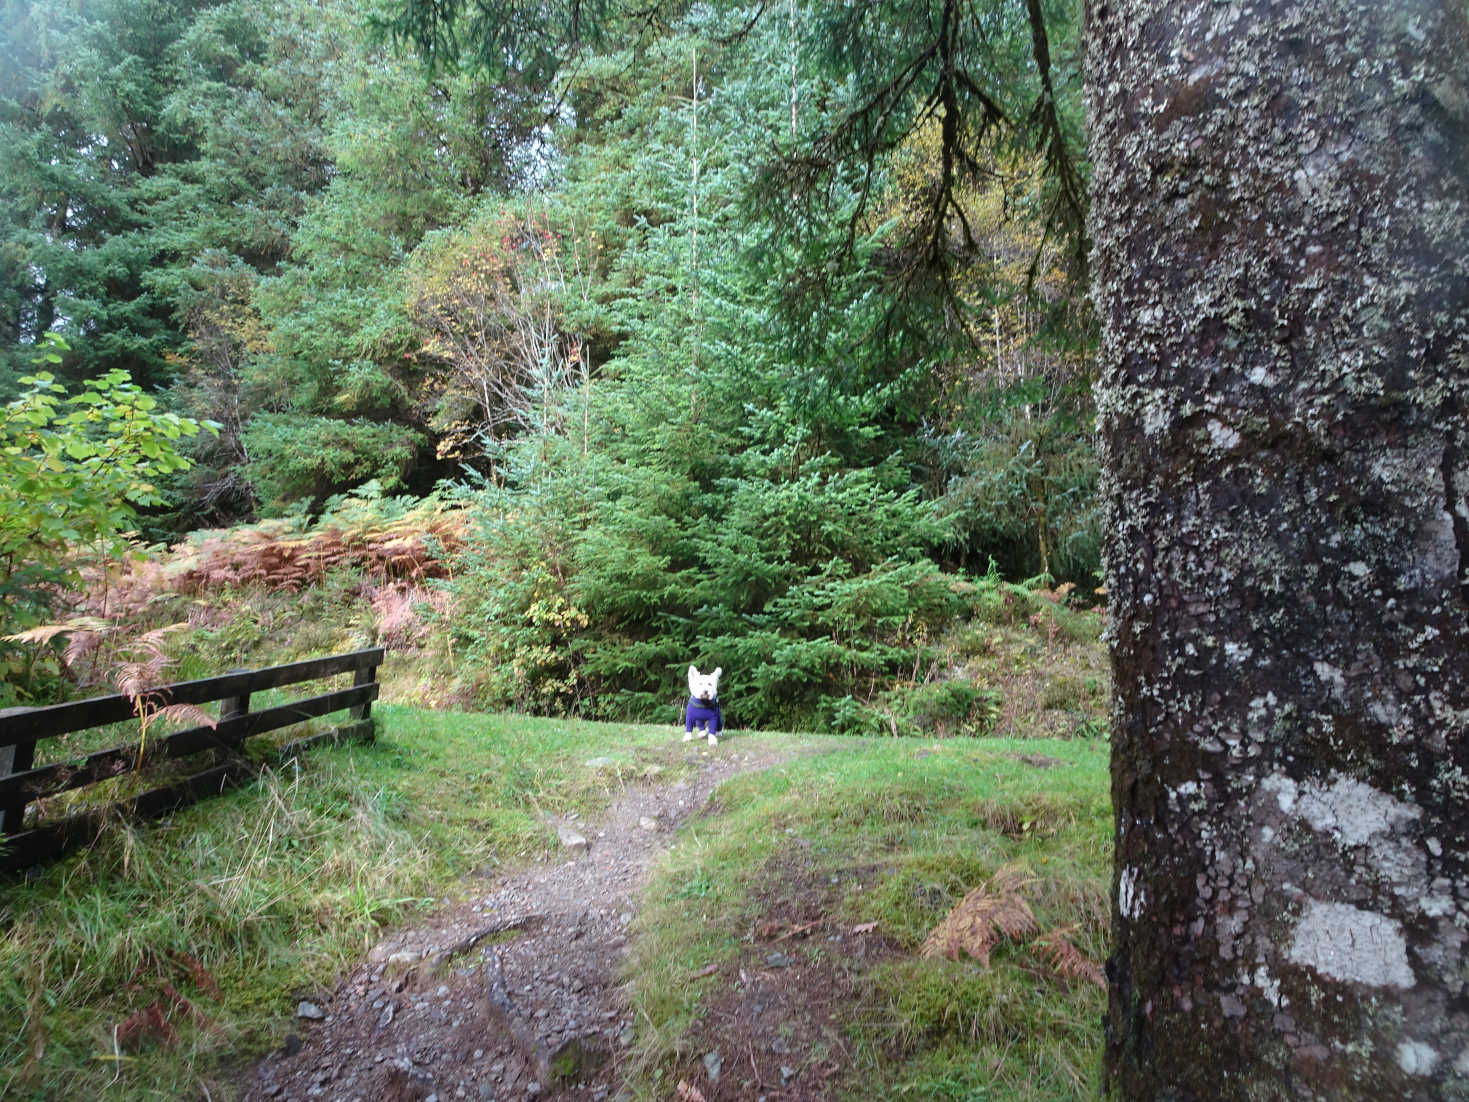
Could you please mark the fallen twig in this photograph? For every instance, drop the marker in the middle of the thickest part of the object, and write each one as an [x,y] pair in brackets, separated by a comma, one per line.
[802,930]
[464,944]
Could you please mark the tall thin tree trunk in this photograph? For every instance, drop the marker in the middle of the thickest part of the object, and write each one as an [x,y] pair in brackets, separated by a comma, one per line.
[792,15]
[1280,220]
[694,187]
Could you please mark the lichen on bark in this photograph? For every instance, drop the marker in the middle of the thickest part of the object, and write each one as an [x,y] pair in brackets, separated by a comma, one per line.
[1280,221]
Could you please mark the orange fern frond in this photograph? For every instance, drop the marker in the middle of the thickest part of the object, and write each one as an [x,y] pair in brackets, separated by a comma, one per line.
[139,678]
[1066,959]
[989,914]
[44,633]
[182,714]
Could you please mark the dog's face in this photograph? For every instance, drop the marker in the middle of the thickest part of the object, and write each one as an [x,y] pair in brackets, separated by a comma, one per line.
[704,686]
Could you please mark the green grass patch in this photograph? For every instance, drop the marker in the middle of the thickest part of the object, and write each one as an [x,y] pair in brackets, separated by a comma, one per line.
[888,837]
[220,919]
[225,914]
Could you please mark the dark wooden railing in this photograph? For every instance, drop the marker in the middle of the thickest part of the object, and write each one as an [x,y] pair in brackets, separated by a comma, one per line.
[21,781]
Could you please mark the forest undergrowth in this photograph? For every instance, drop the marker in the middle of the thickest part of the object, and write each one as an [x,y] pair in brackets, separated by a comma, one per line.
[985,656]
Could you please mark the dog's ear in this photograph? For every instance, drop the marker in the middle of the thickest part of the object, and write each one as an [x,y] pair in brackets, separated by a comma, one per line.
[693,671]
[717,671]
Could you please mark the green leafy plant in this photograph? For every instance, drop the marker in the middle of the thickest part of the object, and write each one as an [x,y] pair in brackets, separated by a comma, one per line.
[74,470]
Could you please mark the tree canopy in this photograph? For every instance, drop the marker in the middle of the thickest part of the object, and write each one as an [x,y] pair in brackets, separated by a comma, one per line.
[726,343]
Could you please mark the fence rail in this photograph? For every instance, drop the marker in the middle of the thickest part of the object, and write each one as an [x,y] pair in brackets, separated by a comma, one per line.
[22,782]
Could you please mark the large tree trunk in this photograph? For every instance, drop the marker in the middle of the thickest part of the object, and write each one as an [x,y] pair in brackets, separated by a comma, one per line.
[1281,229]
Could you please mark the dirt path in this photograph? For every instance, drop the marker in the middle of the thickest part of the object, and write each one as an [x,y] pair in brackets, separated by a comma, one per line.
[514,994]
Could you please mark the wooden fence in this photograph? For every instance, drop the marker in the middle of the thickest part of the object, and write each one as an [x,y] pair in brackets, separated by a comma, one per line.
[21,781]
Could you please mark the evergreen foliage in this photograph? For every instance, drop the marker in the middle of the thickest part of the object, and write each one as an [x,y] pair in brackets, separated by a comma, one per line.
[296,456]
[740,352]
[746,499]
[79,154]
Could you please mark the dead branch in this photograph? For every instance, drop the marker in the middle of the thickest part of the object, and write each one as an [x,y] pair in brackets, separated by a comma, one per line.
[464,944]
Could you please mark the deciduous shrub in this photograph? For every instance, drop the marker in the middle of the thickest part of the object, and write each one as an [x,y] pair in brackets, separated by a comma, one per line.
[74,469]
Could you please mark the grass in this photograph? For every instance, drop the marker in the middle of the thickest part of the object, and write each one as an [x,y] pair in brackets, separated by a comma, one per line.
[218,920]
[226,914]
[895,834]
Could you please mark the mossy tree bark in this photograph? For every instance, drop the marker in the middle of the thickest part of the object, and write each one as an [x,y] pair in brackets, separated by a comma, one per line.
[1280,222]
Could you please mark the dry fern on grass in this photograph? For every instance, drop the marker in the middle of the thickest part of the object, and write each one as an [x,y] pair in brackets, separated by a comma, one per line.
[274,554]
[989,914]
[1066,960]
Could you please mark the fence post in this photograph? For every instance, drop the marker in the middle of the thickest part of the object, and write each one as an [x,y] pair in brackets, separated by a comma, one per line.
[361,714]
[231,707]
[15,758]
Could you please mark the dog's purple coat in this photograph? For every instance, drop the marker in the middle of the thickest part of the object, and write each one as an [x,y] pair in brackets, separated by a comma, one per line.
[704,714]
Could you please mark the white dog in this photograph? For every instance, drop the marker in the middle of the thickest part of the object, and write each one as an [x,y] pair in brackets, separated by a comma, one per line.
[702,710]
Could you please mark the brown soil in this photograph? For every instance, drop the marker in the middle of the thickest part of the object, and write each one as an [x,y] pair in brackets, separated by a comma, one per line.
[515,994]
[778,1026]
